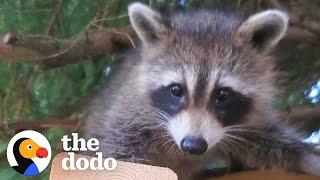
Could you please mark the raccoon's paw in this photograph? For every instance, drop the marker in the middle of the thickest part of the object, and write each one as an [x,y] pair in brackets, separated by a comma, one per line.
[311,163]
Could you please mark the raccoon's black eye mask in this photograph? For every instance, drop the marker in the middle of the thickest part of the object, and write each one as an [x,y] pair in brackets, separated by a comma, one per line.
[228,105]
[170,99]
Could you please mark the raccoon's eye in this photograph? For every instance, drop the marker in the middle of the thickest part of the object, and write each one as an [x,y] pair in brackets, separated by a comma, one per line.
[222,95]
[176,89]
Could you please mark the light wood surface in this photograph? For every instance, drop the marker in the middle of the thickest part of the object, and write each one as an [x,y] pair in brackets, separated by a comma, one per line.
[132,171]
[124,170]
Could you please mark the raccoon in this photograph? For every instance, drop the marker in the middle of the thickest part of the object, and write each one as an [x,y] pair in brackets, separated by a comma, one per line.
[199,87]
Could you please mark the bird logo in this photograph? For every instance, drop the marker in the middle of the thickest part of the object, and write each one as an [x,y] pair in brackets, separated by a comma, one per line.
[29,153]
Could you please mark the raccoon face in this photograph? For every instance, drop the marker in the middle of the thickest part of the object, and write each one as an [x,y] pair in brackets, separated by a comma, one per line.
[205,71]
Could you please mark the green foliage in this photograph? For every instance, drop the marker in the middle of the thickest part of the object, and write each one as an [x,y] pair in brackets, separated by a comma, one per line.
[27,92]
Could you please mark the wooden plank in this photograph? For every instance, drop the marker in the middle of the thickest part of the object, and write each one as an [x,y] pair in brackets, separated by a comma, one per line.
[133,171]
[124,170]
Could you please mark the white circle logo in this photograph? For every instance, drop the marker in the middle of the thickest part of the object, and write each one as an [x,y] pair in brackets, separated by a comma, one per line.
[29,153]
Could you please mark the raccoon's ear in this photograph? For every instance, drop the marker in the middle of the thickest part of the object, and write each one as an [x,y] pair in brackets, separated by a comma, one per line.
[265,29]
[148,23]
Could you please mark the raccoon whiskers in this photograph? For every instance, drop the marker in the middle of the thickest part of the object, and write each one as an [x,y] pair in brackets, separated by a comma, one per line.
[159,115]
[153,126]
[243,130]
[241,126]
[172,150]
[240,139]
[163,116]
[164,135]
[233,145]
[236,142]
[167,142]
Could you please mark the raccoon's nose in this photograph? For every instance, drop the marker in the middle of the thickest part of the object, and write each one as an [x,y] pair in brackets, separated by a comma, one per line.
[194,145]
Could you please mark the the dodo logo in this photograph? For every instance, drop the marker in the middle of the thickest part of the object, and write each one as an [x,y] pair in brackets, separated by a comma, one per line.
[29,152]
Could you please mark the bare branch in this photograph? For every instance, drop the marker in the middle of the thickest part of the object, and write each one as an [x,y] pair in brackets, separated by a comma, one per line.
[54,17]
[305,117]
[274,4]
[301,28]
[50,52]
[38,124]
[300,34]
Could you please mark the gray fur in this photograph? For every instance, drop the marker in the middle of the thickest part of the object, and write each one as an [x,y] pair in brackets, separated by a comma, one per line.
[207,42]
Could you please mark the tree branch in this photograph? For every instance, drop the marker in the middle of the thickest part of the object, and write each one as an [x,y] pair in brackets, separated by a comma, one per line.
[306,118]
[301,34]
[54,17]
[36,124]
[301,28]
[50,52]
